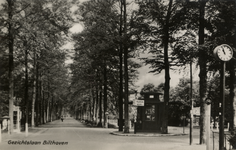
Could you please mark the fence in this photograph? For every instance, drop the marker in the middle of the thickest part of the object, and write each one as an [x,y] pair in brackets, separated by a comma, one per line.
[215,137]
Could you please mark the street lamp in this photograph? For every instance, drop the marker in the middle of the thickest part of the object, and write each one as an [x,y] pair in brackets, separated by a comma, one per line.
[208,122]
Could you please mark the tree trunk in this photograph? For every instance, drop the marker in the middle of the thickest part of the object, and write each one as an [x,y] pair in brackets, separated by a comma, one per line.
[167,71]
[51,110]
[11,63]
[121,74]
[81,113]
[40,99]
[100,108]
[26,91]
[47,109]
[203,72]
[105,97]
[48,106]
[94,105]
[90,110]
[97,105]
[34,92]
[127,122]
[37,93]
[43,103]
[47,101]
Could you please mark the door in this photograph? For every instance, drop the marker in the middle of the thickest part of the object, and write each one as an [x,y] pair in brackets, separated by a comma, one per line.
[151,117]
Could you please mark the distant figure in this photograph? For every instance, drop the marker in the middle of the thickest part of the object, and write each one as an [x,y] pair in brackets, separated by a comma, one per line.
[62,118]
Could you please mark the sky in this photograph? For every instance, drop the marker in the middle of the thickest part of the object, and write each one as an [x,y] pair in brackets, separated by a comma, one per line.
[145,77]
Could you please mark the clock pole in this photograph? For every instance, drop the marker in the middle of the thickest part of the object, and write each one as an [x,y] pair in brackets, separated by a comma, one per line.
[223,53]
[222,106]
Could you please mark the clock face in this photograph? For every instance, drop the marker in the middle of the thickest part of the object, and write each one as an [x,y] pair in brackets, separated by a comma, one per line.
[224,52]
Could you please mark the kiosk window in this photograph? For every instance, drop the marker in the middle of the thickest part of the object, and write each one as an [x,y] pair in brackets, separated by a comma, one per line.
[150,112]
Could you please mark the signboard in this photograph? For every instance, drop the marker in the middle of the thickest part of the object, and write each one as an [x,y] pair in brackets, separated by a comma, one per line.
[138,103]
[196,111]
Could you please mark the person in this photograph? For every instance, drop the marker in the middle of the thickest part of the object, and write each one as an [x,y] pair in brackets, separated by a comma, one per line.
[62,118]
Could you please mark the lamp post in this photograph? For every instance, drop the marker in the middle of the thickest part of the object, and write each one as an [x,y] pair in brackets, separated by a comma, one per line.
[191,105]
[208,122]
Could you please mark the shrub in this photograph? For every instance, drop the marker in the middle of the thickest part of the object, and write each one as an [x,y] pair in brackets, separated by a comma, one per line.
[232,140]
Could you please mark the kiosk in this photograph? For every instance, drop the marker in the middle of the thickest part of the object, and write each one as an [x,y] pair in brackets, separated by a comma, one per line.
[149,116]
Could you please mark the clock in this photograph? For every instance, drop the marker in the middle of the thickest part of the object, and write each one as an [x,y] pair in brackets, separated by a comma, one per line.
[223,52]
[208,101]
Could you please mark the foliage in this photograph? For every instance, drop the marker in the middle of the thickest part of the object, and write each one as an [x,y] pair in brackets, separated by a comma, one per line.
[150,87]
[96,61]
[178,113]
[179,106]
[151,18]
[168,31]
[3,104]
[40,27]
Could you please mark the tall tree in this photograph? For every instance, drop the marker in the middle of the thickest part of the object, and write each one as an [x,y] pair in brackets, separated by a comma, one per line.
[160,22]
[126,75]
[26,90]
[104,56]
[30,21]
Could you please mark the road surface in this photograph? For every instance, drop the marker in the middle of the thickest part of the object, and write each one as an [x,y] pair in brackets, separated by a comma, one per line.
[73,135]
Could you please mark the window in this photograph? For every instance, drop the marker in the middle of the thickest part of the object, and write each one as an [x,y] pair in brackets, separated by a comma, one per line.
[151,96]
[150,112]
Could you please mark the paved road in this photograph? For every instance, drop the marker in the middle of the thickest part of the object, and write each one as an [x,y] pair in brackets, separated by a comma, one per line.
[76,136]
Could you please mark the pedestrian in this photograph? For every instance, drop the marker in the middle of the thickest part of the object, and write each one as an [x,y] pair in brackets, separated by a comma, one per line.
[62,118]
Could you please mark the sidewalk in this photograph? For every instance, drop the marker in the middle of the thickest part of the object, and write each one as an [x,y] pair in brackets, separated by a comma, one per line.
[172,131]
[33,131]
[22,134]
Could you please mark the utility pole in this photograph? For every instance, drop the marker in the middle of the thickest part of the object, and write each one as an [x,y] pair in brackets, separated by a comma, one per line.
[191,105]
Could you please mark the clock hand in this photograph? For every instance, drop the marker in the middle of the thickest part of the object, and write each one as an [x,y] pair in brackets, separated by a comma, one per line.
[223,50]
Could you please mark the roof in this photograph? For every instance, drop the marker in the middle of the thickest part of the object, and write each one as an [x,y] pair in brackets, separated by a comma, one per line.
[160,93]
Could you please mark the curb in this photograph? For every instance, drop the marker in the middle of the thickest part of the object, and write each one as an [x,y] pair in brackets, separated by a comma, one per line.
[40,130]
[145,134]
